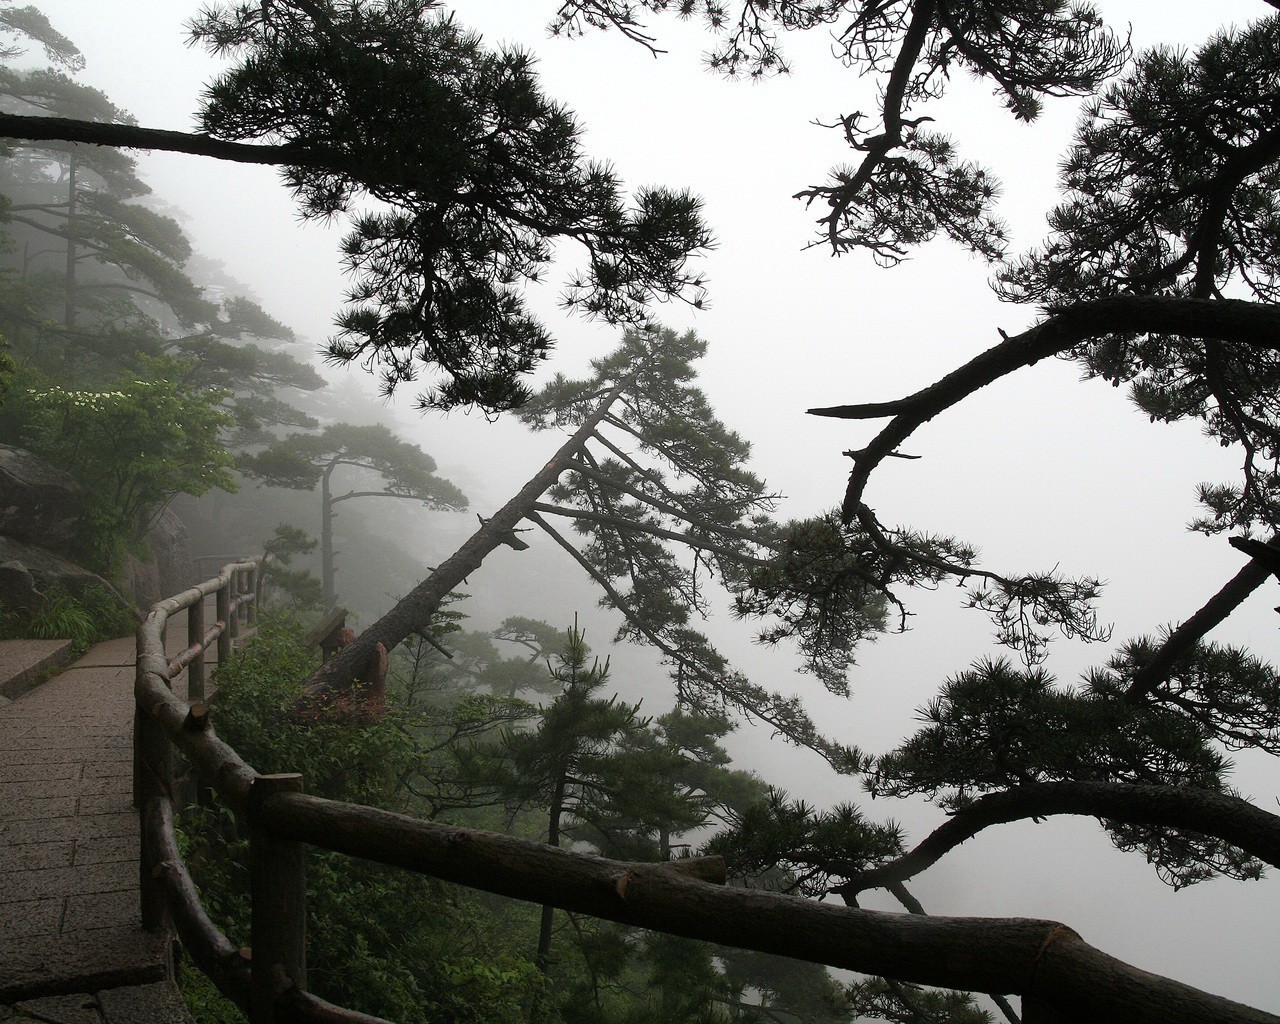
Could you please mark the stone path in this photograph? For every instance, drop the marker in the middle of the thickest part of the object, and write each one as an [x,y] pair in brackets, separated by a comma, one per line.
[69,918]
[157,1003]
[23,663]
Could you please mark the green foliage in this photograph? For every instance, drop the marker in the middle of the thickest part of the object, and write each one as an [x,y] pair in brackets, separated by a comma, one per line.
[203,1000]
[85,619]
[897,1002]
[6,369]
[563,764]
[994,727]
[664,782]
[300,460]
[300,587]
[828,586]
[130,296]
[662,496]
[20,24]
[476,171]
[1171,189]
[1229,692]
[777,843]
[132,449]
[476,661]
[408,948]
[384,941]
[261,712]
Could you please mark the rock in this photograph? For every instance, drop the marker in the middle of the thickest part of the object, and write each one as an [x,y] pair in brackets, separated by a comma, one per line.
[140,581]
[76,1009]
[27,572]
[167,539]
[38,503]
[168,571]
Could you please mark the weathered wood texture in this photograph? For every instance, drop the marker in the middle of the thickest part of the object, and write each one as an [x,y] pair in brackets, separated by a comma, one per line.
[1046,962]
[1043,959]
[278,897]
[201,940]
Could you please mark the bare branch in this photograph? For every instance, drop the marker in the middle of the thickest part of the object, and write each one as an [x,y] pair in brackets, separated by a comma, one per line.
[1249,323]
[1230,818]
[1215,611]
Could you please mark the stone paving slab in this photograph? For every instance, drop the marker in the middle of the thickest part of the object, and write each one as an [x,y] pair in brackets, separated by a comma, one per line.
[157,1003]
[95,959]
[23,662]
[69,918]
[72,949]
[81,1008]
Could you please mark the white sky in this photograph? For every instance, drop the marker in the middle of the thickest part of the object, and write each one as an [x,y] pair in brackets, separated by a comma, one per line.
[1039,470]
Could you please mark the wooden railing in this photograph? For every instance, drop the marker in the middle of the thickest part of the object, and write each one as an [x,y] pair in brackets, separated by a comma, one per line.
[1046,962]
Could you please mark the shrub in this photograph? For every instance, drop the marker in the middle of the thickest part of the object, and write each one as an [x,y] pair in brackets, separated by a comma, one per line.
[94,616]
[381,940]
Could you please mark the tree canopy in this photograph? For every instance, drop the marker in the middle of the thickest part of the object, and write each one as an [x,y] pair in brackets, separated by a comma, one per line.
[475,174]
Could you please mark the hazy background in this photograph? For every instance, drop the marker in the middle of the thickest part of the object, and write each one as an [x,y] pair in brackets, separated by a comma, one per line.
[1038,470]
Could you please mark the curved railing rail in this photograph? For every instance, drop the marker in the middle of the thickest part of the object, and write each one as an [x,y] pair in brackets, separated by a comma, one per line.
[1046,962]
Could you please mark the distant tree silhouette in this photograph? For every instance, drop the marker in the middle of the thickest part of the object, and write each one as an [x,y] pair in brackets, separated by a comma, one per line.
[304,460]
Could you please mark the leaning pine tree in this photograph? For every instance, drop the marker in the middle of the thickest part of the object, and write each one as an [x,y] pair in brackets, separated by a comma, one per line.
[653,483]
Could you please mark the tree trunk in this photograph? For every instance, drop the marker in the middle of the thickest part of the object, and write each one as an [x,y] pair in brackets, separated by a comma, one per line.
[70,314]
[543,959]
[326,538]
[416,608]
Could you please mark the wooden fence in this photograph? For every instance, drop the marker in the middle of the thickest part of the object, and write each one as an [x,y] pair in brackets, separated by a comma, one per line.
[1046,962]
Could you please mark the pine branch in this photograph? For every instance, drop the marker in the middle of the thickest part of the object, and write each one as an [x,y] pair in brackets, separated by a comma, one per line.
[631,526]
[1215,610]
[1253,324]
[126,136]
[1229,818]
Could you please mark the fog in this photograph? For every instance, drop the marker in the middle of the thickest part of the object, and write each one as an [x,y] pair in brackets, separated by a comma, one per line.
[1039,470]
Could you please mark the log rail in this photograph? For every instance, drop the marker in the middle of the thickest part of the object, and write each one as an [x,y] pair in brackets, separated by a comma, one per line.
[1059,975]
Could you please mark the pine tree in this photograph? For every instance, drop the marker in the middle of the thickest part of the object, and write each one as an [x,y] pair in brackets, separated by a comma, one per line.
[475,172]
[303,460]
[562,766]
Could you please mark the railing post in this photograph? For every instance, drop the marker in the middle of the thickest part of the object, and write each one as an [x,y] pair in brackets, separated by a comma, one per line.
[152,781]
[251,609]
[228,626]
[236,610]
[278,890]
[242,606]
[195,635]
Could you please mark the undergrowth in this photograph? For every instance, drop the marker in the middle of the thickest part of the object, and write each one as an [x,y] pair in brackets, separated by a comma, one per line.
[381,940]
[87,619]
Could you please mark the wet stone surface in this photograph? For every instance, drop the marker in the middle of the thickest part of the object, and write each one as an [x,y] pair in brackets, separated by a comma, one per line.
[72,949]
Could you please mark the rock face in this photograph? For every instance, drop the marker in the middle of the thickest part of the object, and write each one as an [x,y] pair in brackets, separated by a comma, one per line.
[38,503]
[27,572]
[40,508]
[140,580]
[175,571]
[170,569]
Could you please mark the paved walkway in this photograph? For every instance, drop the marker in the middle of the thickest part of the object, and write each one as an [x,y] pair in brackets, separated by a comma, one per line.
[69,918]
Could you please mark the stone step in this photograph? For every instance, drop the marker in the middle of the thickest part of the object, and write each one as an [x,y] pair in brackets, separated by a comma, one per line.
[24,664]
[155,1003]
